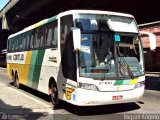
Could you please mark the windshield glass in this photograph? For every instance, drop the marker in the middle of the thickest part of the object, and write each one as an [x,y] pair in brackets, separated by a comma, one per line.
[102,22]
[109,46]
[110,55]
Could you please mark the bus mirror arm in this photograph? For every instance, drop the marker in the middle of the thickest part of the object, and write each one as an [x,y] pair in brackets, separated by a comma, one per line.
[76,38]
[152,39]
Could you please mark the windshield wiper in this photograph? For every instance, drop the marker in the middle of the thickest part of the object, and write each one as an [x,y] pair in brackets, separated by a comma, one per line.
[106,70]
[124,65]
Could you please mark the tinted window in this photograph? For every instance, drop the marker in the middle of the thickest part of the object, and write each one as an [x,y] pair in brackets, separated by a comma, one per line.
[43,36]
[51,34]
[37,37]
[67,53]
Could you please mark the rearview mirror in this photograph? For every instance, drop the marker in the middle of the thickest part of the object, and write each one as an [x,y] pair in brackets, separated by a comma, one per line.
[76,38]
[152,39]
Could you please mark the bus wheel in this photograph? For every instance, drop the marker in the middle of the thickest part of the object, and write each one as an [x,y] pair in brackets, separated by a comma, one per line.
[14,80]
[16,84]
[54,95]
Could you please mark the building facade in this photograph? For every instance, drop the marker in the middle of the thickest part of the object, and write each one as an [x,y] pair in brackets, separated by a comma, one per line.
[152,58]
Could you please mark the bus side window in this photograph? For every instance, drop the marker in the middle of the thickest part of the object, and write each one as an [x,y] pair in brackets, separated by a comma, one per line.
[23,43]
[41,40]
[18,46]
[27,42]
[67,53]
[42,36]
[55,36]
[37,38]
[31,41]
[10,45]
[49,37]
[66,24]
[45,37]
[62,42]
[18,42]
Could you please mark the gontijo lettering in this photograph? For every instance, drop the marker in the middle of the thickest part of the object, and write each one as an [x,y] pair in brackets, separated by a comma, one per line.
[18,57]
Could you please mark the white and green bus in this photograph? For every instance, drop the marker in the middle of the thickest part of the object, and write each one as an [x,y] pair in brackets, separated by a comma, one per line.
[84,57]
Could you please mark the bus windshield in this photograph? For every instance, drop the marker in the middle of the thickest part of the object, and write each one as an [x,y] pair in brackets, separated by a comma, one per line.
[110,46]
[102,22]
[102,56]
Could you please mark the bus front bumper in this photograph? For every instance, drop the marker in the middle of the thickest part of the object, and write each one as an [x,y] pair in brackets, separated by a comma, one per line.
[93,98]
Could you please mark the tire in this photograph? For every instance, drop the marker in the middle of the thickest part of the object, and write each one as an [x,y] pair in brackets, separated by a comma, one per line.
[54,95]
[17,84]
[13,79]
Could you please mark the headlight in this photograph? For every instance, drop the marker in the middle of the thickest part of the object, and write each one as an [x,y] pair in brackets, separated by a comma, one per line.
[140,84]
[87,86]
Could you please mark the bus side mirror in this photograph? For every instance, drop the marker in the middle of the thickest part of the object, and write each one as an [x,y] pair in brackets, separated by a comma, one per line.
[76,38]
[152,39]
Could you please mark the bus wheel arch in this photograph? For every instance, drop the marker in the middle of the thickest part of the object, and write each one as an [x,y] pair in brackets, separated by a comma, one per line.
[53,92]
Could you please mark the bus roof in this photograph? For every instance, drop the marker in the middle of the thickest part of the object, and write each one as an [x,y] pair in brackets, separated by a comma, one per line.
[94,12]
[48,20]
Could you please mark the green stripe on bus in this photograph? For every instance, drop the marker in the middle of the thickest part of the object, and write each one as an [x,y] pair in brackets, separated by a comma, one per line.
[37,69]
[52,19]
[36,64]
[126,82]
[118,82]
[32,67]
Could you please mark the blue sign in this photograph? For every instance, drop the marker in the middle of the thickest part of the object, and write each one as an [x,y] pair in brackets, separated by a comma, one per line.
[85,43]
[117,38]
[86,40]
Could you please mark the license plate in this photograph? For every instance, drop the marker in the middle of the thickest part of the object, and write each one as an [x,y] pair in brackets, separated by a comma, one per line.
[119,97]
